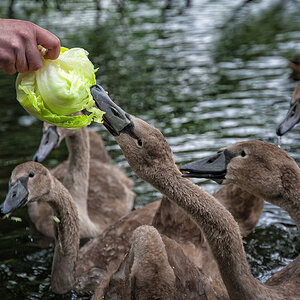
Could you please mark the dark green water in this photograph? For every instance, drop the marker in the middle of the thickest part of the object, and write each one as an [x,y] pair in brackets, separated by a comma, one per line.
[206,76]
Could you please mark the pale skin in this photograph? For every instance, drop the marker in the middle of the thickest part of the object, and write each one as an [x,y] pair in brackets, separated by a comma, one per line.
[19,42]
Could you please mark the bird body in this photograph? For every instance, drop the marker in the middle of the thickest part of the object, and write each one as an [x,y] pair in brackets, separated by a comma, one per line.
[101,190]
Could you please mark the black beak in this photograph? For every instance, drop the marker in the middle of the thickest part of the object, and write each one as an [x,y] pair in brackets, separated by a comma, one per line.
[49,141]
[16,197]
[115,119]
[212,167]
[292,118]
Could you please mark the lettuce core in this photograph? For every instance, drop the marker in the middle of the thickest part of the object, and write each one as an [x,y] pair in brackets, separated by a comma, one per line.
[61,88]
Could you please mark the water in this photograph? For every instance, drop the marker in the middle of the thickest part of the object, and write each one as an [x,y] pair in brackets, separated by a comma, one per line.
[206,76]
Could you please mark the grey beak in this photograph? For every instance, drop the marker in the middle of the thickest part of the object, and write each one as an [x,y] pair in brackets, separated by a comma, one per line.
[292,118]
[115,119]
[213,167]
[16,197]
[49,141]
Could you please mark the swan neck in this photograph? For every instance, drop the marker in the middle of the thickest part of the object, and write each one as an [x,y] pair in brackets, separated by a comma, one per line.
[294,212]
[66,238]
[289,200]
[221,231]
[77,176]
[292,205]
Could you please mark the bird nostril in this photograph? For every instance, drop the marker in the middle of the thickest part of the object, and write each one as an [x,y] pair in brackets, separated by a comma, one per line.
[214,158]
[115,112]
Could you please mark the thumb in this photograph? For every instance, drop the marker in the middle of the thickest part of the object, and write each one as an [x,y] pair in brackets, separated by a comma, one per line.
[49,41]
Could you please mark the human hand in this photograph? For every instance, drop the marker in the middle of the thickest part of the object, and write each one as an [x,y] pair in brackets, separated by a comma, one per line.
[19,42]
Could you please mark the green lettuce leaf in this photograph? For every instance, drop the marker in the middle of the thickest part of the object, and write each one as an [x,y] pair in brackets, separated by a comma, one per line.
[59,89]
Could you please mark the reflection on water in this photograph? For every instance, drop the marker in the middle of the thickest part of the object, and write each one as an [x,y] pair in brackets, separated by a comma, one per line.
[207,76]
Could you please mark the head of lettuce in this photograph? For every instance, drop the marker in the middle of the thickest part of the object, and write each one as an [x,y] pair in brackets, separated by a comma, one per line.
[59,89]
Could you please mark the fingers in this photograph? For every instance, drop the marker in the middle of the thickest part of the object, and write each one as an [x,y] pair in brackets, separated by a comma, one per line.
[21,62]
[49,41]
[28,57]
[33,57]
[23,59]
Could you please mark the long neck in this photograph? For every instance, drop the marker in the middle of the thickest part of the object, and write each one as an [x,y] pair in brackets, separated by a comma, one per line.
[67,238]
[221,231]
[77,176]
[151,274]
[294,211]
[290,200]
[97,148]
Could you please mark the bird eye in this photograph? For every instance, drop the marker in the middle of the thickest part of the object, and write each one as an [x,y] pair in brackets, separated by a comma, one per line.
[140,143]
[243,153]
[31,174]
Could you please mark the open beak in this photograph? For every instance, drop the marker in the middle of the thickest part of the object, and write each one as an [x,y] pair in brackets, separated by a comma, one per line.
[49,141]
[213,167]
[16,197]
[115,119]
[292,118]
